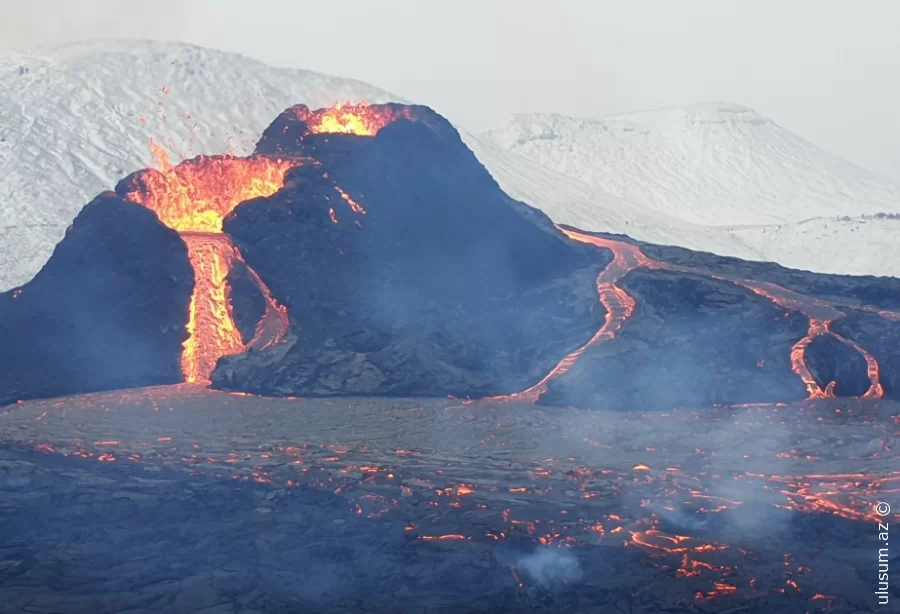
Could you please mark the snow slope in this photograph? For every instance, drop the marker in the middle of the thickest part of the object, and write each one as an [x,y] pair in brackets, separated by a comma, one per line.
[720,178]
[712,164]
[76,119]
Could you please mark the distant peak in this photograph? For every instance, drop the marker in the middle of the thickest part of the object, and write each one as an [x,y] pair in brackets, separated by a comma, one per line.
[701,112]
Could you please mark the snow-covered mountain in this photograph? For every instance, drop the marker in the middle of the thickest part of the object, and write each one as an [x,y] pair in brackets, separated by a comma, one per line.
[712,164]
[77,118]
[720,178]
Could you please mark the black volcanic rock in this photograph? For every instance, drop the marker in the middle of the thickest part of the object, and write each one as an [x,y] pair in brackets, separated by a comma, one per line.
[881,337]
[247,302]
[107,311]
[441,286]
[692,342]
[830,360]
[848,289]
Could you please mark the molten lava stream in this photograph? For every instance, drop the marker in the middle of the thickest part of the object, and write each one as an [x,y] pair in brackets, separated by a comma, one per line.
[798,361]
[273,325]
[211,329]
[620,305]
[875,391]
[193,198]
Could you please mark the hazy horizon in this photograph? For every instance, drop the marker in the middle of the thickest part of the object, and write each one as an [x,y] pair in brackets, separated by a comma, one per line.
[821,69]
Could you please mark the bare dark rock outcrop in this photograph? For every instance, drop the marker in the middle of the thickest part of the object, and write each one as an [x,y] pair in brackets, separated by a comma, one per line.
[881,337]
[107,311]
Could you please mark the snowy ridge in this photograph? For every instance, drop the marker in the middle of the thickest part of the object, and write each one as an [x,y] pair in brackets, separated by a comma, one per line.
[858,245]
[712,164]
[76,119]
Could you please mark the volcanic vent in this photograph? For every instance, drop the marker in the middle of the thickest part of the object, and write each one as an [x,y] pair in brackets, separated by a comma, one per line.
[195,196]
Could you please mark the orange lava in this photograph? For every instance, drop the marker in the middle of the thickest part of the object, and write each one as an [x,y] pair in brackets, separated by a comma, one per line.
[361,119]
[211,329]
[273,326]
[193,198]
[875,391]
[197,194]
[798,362]
[620,306]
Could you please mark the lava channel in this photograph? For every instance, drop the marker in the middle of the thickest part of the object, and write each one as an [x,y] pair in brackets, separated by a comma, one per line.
[620,305]
[193,198]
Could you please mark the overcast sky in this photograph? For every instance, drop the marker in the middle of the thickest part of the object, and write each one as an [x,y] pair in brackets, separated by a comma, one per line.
[827,69]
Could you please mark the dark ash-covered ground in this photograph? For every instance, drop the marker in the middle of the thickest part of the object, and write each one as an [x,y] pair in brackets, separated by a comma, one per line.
[179,500]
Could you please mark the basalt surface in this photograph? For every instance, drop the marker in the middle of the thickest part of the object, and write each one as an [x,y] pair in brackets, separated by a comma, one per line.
[107,310]
[881,335]
[180,500]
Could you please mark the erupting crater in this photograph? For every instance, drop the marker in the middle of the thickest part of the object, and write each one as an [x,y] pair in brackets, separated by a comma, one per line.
[360,119]
[193,198]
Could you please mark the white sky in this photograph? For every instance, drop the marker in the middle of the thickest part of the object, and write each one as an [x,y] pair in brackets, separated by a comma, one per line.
[827,69]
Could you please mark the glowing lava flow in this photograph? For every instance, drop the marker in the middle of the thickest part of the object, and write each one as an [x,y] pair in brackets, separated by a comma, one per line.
[798,361]
[196,195]
[620,305]
[210,321]
[875,391]
[361,119]
[193,198]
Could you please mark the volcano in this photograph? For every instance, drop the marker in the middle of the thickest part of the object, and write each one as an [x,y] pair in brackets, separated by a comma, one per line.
[364,250]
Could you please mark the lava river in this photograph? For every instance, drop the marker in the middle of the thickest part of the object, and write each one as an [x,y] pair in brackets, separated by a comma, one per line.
[194,197]
[620,305]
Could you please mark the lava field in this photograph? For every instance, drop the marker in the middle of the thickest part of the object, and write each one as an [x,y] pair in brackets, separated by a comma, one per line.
[182,499]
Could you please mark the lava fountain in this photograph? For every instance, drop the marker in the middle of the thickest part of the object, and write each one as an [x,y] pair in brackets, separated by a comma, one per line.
[360,119]
[193,198]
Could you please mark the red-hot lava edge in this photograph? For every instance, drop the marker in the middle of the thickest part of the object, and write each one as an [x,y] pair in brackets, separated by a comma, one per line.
[620,305]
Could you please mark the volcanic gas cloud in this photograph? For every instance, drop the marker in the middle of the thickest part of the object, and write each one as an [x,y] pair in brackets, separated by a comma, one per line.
[195,196]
